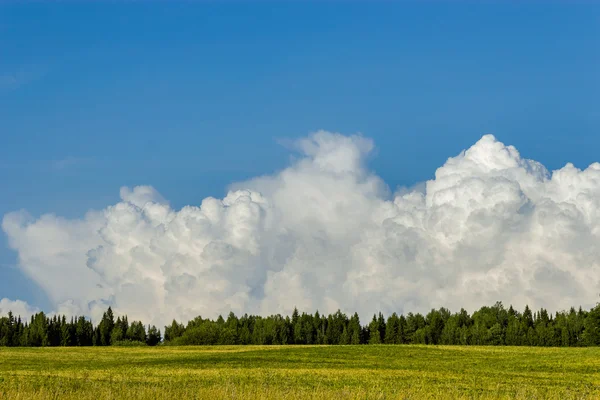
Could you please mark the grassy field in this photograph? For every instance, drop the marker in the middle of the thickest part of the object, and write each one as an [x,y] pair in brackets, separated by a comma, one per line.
[290,372]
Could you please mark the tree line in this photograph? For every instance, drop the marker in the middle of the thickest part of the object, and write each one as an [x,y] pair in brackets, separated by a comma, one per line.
[493,325]
[42,330]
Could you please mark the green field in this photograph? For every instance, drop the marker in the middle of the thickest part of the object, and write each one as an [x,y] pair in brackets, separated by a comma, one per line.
[295,372]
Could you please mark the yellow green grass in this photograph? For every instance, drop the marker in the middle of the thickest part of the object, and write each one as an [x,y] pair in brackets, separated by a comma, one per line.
[300,372]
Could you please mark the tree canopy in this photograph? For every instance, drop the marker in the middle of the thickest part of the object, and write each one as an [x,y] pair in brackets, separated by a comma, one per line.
[494,326]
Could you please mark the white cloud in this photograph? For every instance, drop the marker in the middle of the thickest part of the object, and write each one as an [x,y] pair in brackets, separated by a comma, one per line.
[326,233]
[18,308]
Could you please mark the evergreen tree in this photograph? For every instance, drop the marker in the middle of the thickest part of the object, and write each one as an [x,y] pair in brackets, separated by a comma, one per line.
[84,332]
[392,329]
[493,325]
[174,331]
[136,332]
[153,336]
[381,327]
[66,336]
[374,334]
[297,327]
[591,336]
[106,327]
[354,329]
[435,324]
[38,330]
[401,330]
[344,338]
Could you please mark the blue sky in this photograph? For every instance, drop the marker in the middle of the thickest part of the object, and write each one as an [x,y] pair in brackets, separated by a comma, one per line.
[191,97]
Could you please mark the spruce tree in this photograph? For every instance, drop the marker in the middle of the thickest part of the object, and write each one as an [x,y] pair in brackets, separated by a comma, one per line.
[374,335]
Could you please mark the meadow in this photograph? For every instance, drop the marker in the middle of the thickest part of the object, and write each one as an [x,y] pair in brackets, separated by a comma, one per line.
[300,372]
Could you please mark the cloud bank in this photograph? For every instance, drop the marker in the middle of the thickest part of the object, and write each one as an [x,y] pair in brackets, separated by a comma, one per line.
[326,233]
[18,308]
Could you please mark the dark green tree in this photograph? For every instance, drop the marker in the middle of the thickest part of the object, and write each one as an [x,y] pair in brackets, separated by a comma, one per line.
[374,334]
[106,327]
[136,332]
[153,336]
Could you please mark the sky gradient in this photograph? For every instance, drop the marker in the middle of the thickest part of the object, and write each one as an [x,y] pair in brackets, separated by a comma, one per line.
[190,98]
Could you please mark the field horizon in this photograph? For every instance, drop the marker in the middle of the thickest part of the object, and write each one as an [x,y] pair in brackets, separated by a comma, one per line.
[300,372]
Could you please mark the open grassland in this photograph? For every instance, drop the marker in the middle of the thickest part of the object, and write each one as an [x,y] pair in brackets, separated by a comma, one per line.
[300,372]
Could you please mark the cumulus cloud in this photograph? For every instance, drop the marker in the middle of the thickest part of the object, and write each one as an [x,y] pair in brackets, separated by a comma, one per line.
[18,308]
[327,233]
